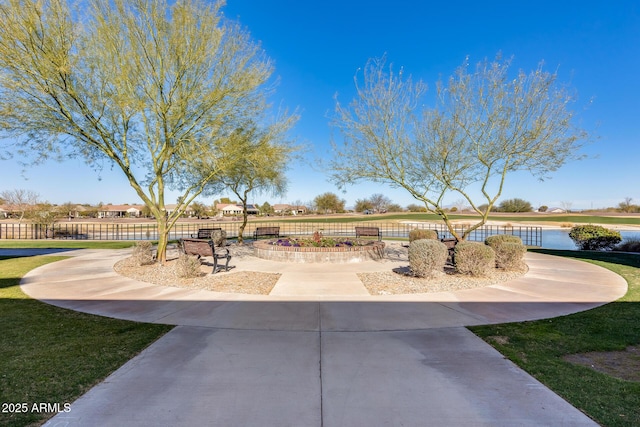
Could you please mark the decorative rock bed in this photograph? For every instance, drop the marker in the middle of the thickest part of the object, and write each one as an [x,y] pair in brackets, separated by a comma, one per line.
[368,250]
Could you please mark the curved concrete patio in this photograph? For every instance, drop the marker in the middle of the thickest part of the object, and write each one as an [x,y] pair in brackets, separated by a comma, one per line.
[324,354]
[328,297]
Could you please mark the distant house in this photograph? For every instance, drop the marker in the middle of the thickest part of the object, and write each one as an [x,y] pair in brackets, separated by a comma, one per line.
[229,209]
[292,209]
[252,209]
[4,213]
[170,208]
[556,210]
[78,211]
[236,209]
[120,211]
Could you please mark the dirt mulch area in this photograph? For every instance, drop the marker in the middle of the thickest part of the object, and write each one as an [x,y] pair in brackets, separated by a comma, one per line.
[624,365]
[245,282]
[401,281]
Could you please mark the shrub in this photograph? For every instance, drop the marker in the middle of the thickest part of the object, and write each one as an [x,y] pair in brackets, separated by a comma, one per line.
[594,237]
[421,233]
[427,256]
[474,258]
[219,238]
[509,251]
[143,253]
[499,239]
[510,256]
[631,244]
[188,266]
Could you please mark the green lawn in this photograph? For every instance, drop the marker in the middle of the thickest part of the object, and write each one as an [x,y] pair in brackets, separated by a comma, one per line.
[52,355]
[574,219]
[65,244]
[538,347]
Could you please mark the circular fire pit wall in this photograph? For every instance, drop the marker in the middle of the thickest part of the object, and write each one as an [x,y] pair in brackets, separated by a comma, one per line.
[310,254]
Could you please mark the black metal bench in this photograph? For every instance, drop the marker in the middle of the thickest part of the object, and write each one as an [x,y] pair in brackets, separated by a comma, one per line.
[266,232]
[368,232]
[450,243]
[205,233]
[205,248]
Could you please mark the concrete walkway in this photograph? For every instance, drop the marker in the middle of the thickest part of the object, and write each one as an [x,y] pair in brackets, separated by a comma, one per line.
[324,355]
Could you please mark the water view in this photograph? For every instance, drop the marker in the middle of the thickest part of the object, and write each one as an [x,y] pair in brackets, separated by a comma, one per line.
[559,239]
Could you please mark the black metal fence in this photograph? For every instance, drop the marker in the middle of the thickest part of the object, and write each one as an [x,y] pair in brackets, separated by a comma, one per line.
[531,236]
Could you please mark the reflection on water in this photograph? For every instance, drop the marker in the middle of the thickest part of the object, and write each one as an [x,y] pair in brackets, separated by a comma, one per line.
[559,239]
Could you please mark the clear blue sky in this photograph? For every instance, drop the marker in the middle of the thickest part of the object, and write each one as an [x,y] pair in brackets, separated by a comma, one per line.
[317,47]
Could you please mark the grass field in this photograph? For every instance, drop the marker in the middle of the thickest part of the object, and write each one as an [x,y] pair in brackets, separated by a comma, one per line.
[542,218]
[65,244]
[51,355]
[539,347]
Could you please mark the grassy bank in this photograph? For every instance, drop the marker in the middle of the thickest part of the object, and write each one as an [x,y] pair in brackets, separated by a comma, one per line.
[528,218]
[51,355]
[540,347]
[65,244]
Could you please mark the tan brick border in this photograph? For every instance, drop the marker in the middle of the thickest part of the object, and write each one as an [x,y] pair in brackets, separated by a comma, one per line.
[309,254]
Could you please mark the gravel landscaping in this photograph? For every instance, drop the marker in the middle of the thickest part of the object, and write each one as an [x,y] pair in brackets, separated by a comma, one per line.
[395,281]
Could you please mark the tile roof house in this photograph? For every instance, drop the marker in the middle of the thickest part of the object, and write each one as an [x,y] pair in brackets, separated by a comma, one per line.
[236,209]
[120,211]
[556,210]
[286,208]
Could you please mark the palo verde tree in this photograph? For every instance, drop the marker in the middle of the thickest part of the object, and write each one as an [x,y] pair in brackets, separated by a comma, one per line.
[515,205]
[155,88]
[484,124]
[261,166]
[329,203]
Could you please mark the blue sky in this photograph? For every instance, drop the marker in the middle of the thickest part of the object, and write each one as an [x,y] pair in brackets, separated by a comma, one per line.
[317,47]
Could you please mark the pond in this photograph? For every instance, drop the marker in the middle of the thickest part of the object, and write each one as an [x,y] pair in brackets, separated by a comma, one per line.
[559,239]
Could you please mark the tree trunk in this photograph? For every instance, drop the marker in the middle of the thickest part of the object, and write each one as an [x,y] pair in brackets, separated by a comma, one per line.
[163,239]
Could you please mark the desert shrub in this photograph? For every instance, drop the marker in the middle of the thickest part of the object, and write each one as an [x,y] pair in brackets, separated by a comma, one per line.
[421,233]
[594,237]
[510,256]
[631,244]
[509,251]
[143,253]
[499,239]
[474,258]
[427,256]
[219,238]
[188,266]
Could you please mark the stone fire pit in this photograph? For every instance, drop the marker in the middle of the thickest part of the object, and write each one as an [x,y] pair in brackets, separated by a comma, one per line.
[358,252]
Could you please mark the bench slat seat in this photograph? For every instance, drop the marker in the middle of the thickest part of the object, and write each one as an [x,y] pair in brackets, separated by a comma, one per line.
[266,232]
[368,232]
[206,248]
[205,233]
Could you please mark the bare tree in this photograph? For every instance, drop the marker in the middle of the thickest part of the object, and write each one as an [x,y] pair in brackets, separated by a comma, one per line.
[626,205]
[152,88]
[379,202]
[485,124]
[566,205]
[20,200]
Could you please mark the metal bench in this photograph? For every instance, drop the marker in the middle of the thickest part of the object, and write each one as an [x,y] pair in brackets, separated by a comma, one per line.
[266,232]
[450,243]
[368,232]
[205,233]
[206,248]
